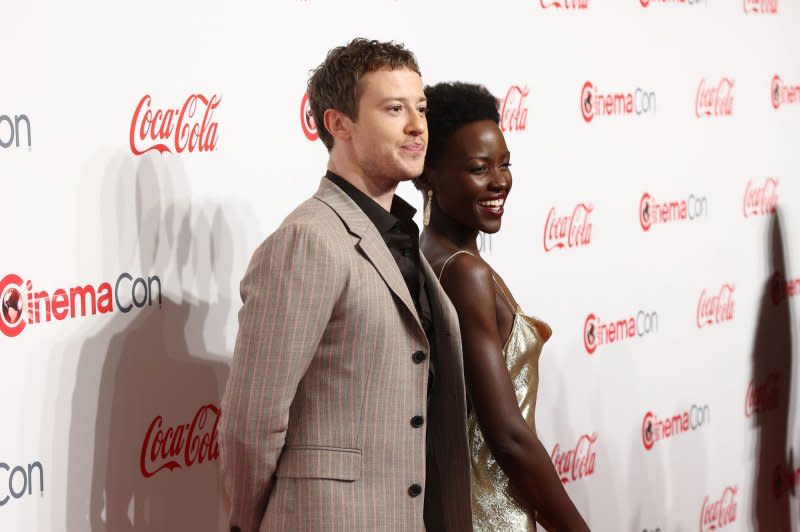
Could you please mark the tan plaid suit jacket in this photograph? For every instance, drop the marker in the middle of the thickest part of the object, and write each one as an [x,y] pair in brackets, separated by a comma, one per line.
[316,429]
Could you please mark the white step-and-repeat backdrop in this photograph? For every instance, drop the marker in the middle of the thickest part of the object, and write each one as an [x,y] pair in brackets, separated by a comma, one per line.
[147,148]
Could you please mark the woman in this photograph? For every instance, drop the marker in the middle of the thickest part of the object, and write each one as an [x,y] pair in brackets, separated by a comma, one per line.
[466,182]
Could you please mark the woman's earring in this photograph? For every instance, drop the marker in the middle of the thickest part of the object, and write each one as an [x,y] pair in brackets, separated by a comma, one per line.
[426,214]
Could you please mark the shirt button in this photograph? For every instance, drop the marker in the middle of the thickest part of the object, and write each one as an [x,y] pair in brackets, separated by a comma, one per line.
[418,357]
[414,490]
[417,421]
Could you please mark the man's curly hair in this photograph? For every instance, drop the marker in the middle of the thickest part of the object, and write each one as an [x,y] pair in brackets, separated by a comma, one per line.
[334,84]
[451,106]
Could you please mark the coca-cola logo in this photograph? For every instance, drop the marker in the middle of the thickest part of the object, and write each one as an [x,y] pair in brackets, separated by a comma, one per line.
[715,307]
[12,130]
[762,396]
[782,94]
[653,212]
[760,199]
[595,103]
[714,99]
[575,463]
[307,119]
[781,288]
[719,513]
[597,332]
[655,429]
[565,4]
[514,109]
[182,445]
[568,230]
[646,3]
[769,7]
[188,128]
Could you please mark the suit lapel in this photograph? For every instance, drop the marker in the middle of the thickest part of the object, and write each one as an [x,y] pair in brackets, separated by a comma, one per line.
[370,242]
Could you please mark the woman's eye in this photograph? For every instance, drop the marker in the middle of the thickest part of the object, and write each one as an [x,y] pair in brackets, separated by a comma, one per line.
[396,108]
[478,169]
[423,110]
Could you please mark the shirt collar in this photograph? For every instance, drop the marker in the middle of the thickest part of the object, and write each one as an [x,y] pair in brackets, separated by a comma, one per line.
[384,220]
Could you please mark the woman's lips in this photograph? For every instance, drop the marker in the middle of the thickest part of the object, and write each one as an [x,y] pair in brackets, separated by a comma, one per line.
[494,207]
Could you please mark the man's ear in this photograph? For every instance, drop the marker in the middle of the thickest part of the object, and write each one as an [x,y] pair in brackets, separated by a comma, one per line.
[338,124]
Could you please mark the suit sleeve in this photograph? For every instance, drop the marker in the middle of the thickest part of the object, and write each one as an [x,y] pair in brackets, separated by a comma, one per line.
[288,292]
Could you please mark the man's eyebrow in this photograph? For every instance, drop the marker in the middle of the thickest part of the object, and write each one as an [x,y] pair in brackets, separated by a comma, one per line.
[401,99]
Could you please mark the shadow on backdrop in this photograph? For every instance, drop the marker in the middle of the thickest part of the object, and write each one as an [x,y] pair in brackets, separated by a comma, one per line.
[769,404]
[147,387]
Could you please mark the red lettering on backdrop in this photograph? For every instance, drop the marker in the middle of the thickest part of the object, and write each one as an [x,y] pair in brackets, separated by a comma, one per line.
[513,111]
[762,397]
[568,231]
[761,6]
[722,512]
[182,445]
[761,199]
[565,4]
[190,128]
[714,100]
[715,309]
[574,464]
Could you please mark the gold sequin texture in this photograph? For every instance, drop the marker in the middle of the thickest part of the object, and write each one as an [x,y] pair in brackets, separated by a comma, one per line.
[492,506]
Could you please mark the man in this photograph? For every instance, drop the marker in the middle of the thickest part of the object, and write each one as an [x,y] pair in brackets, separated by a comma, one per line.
[345,409]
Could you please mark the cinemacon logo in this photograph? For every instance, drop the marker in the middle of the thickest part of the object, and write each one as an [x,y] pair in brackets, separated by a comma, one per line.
[181,445]
[565,4]
[719,512]
[714,99]
[14,129]
[782,289]
[769,7]
[187,128]
[715,307]
[760,198]
[653,212]
[568,230]
[783,94]
[655,429]
[597,332]
[307,120]
[19,481]
[514,109]
[595,103]
[577,462]
[762,396]
[22,305]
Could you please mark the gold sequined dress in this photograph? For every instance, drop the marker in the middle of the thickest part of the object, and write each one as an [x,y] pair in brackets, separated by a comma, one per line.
[493,508]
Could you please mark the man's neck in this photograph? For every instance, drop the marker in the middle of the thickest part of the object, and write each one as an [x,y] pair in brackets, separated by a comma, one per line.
[381,191]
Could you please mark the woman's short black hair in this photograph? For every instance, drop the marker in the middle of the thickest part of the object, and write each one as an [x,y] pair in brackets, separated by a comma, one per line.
[450,106]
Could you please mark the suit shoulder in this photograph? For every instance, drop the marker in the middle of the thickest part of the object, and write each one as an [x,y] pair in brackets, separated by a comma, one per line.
[312,227]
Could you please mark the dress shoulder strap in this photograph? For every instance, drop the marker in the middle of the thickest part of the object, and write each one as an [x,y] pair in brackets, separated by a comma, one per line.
[497,284]
[450,258]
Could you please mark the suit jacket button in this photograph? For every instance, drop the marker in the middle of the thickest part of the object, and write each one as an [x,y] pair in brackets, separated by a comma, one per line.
[417,421]
[418,357]
[414,490]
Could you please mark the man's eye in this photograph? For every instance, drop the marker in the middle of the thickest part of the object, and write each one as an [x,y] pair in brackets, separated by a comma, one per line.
[506,166]
[478,169]
[396,108]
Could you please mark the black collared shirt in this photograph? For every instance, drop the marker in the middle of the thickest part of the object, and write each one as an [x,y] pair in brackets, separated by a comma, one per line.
[401,234]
